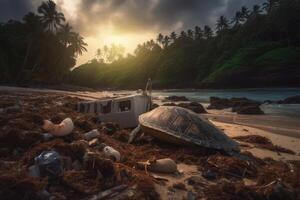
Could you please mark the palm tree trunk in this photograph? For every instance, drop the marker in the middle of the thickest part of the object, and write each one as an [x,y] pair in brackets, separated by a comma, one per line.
[28,49]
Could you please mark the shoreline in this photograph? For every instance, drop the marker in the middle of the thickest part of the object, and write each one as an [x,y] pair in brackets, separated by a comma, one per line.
[281,125]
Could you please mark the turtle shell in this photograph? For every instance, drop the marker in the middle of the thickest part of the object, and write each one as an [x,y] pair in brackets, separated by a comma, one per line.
[181,126]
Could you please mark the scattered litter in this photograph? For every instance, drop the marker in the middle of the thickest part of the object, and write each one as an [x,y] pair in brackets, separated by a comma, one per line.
[49,163]
[110,152]
[62,129]
[94,142]
[91,134]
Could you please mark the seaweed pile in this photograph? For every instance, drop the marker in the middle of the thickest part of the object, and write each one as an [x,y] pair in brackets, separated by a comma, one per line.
[87,172]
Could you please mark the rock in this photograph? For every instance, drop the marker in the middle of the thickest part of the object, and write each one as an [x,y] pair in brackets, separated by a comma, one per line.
[290,100]
[165,165]
[239,105]
[176,98]
[219,103]
[91,134]
[193,106]
[249,110]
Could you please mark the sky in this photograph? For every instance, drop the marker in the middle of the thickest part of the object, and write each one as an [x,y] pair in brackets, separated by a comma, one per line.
[129,22]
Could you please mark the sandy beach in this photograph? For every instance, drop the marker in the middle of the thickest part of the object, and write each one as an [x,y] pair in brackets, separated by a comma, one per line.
[281,149]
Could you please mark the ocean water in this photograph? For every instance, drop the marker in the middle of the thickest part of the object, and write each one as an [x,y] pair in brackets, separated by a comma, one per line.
[262,94]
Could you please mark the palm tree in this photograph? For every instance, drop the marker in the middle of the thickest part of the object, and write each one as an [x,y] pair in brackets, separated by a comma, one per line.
[160,38]
[183,34]
[173,36]
[190,33]
[198,33]
[270,4]
[78,46]
[207,32]
[237,19]
[66,34]
[245,12]
[166,41]
[222,24]
[33,27]
[49,16]
[256,10]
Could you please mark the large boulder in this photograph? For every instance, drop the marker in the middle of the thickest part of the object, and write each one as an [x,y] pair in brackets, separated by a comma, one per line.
[290,100]
[193,106]
[249,110]
[219,103]
[239,105]
[243,103]
[176,98]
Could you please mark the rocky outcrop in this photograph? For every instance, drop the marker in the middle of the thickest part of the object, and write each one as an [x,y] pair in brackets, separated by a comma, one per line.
[176,98]
[219,103]
[290,100]
[249,110]
[193,106]
[239,105]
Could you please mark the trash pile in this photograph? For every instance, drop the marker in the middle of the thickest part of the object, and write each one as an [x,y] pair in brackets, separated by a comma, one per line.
[50,151]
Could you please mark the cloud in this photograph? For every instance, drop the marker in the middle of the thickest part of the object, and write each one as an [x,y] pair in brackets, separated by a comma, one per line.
[152,15]
[127,16]
[14,9]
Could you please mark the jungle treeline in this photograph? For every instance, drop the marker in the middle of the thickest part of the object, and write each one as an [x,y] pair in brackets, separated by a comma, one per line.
[257,47]
[40,48]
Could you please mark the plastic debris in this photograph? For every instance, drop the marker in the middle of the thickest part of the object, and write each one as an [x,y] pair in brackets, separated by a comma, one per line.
[91,134]
[94,142]
[64,128]
[110,152]
[49,163]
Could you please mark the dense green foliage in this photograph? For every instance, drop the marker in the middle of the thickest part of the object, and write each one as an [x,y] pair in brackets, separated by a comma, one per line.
[42,48]
[258,47]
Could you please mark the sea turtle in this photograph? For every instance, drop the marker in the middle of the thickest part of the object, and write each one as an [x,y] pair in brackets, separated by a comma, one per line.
[181,126]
